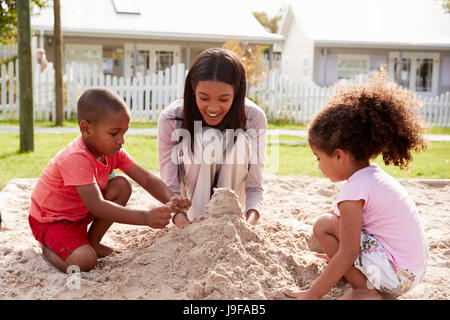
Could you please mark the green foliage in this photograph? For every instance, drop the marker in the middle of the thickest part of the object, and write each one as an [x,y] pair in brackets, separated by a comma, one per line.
[446,5]
[6,61]
[250,55]
[8,19]
[270,24]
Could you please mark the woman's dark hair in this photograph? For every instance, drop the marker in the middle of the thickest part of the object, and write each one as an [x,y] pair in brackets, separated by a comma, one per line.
[221,65]
[366,120]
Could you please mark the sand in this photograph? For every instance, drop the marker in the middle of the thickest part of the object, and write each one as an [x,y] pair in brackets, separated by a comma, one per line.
[219,256]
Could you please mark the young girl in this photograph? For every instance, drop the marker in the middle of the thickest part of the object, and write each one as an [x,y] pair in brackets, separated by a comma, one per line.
[199,135]
[374,236]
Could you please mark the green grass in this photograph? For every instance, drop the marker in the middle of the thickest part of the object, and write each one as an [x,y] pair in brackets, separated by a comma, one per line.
[280,124]
[291,160]
[286,125]
[433,163]
[437,130]
[73,123]
[14,164]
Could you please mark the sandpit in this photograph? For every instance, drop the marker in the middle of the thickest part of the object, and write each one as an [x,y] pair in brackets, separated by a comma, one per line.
[219,256]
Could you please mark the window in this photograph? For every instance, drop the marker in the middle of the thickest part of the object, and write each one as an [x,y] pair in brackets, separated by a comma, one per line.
[402,72]
[164,59]
[349,66]
[150,58]
[90,54]
[305,66]
[418,71]
[424,72]
[142,62]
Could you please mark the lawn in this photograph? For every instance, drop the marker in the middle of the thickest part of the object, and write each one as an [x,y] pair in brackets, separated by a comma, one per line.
[280,124]
[433,163]
[281,159]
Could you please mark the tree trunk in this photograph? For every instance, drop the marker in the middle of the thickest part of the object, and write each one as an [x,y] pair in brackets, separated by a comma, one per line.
[59,86]
[25,74]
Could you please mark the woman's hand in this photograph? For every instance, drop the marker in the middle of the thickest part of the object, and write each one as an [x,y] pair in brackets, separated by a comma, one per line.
[252,217]
[180,220]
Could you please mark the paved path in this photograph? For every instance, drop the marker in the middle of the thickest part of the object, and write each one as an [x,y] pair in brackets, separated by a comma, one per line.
[153,131]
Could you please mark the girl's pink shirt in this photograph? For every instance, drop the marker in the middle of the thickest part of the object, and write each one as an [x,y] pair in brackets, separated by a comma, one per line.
[389,214]
[55,196]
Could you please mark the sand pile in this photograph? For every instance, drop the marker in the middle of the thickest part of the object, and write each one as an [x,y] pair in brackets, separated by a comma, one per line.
[219,256]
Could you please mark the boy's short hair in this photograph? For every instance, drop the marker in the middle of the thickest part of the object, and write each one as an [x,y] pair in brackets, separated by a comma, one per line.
[95,103]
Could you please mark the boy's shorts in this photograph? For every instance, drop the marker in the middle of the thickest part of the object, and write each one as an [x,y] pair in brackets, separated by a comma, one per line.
[62,236]
[381,272]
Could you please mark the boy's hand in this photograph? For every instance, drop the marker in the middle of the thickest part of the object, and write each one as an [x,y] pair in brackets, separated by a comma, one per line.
[159,217]
[178,204]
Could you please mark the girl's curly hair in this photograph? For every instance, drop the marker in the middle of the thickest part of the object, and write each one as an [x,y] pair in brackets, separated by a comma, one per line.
[366,120]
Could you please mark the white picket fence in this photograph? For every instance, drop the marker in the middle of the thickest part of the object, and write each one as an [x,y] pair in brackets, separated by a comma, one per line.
[147,96]
[286,100]
[8,51]
[282,99]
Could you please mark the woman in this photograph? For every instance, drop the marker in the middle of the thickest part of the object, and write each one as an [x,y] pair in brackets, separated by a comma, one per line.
[213,137]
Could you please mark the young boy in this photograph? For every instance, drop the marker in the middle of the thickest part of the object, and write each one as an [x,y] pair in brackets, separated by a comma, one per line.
[75,188]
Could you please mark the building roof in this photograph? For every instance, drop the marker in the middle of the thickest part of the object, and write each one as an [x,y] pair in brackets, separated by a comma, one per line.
[376,23]
[194,20]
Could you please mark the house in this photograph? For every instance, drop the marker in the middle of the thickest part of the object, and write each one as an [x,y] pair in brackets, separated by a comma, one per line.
[328,40]
[127,37]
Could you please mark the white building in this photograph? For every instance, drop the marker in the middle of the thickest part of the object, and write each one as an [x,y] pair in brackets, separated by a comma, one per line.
[329,40]
[125,37]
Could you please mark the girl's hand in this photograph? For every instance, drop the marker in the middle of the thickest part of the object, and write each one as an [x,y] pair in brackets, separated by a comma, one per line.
[158,217]
[300,295]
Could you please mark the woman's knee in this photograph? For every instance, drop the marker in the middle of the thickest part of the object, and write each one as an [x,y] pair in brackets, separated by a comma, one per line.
[326,224]
[84,257]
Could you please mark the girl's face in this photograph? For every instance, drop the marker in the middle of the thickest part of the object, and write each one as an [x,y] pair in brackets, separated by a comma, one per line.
[330,165]
[214,100]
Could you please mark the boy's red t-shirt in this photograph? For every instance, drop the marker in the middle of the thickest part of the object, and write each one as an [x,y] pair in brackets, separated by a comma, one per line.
[55,196]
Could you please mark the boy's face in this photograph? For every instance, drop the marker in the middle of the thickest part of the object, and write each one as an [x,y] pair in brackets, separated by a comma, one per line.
[107,136]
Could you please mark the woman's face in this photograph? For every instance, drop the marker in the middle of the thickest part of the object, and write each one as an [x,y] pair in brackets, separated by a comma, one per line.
[214,100]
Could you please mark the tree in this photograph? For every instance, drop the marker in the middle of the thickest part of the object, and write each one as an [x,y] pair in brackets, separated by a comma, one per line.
[8,19]
[251,57]
[270,24]
[25,77]
[446,5]
[59,86]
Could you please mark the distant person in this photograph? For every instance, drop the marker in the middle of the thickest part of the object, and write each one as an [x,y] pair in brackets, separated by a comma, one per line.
[213,137]
[374,235]
[76,189]
[41,58]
